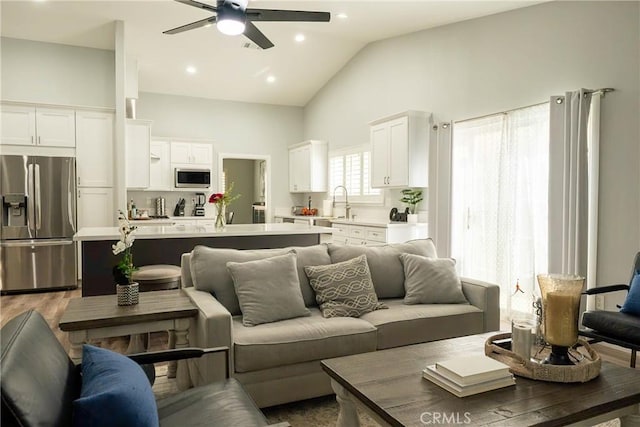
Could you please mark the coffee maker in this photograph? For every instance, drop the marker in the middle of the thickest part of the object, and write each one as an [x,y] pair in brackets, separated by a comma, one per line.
[198,210]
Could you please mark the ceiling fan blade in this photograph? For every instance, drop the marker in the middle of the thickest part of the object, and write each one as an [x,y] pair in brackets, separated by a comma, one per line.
[198,5]
[193,25]
[287,15]
[255,35]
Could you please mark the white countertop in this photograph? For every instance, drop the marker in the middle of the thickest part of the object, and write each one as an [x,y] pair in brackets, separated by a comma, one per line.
[186,231]
[373,223]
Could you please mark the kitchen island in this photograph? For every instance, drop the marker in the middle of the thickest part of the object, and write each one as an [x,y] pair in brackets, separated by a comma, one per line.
[166,244]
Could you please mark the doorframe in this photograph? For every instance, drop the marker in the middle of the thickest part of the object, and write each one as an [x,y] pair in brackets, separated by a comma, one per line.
[267,176]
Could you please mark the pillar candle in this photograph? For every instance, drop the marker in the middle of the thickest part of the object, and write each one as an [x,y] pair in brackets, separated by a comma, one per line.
[561,319]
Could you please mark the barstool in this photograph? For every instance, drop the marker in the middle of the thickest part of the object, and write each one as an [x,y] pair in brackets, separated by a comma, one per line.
[158,277]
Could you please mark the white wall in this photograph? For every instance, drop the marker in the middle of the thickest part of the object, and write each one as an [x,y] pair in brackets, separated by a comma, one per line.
[235,127]
[502,62]
[57,74]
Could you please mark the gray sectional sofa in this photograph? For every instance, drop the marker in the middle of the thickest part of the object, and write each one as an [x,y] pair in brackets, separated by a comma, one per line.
[279,362]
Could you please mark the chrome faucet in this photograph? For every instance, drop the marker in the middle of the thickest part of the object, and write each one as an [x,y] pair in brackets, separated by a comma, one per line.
[347,206]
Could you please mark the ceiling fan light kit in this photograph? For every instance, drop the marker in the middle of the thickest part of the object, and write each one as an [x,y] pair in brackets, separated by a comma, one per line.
[233,18]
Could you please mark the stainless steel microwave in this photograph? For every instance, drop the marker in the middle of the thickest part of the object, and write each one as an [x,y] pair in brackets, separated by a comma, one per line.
[192,178]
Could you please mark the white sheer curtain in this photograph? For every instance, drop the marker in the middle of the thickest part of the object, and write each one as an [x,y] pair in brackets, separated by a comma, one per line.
[499,198]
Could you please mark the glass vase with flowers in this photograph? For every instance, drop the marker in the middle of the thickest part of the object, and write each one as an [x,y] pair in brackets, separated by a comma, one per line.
[221,201]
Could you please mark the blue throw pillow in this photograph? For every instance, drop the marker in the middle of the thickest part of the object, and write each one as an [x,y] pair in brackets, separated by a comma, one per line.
[115,392]
[632,303]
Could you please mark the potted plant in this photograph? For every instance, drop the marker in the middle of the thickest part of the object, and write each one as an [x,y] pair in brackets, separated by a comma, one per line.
[221,200]
[412,198]
[127,291]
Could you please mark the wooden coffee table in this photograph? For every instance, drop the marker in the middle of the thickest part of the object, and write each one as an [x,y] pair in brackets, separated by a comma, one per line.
[388,385]
[98,317]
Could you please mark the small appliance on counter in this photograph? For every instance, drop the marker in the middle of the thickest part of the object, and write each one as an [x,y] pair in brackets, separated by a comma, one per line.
[160,207]
[179,209]
[396,216]
[198,210]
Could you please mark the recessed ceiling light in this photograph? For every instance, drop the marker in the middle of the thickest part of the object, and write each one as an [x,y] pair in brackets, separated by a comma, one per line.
[343,15]
[191,70]
[271,79]
[299,38]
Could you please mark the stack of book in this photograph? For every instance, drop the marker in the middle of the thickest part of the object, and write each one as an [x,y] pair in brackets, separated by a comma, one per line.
[464,376]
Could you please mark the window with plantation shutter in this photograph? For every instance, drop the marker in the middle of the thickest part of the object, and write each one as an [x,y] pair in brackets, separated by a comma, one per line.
[351,167]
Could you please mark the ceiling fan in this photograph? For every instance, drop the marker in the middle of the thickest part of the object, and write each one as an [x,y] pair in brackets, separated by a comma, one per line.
[232,17]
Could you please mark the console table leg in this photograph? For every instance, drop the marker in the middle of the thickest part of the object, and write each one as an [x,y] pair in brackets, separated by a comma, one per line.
[173,365]
[75,351]
[348,416]
[182,341]
[632,420]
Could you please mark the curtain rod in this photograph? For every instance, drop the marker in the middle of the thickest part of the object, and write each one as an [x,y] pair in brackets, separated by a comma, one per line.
[601,91]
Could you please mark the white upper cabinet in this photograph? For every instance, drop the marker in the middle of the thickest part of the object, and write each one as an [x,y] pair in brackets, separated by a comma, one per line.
[94,150]
[308,164]
[38,126]
[192,153]
[400,150]
[96,207]
[160,166]
[138,140]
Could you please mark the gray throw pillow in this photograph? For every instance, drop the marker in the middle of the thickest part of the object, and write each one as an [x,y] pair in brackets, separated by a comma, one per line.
[268,290]
[431,280]
[209,271]
[344,289]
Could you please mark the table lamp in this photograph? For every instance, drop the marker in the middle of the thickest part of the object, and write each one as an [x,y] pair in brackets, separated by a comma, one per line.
[560,309]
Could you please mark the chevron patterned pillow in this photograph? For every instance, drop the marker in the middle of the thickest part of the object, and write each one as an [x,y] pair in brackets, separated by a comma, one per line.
[344,289]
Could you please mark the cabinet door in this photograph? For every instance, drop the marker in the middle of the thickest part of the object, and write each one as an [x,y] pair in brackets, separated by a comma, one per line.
[379,155]
[96,208]
[202,154]
[398,152]
[55,127]
[300,169]
[94,151]
[181,152]
[18,125]
[137,160]
[160,176]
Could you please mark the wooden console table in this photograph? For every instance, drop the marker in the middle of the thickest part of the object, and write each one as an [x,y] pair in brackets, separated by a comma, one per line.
[101,317]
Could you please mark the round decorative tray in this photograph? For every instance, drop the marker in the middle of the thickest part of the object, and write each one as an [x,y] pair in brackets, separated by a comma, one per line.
[586,368]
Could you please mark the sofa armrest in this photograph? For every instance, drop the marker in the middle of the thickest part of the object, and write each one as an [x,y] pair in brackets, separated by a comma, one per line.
[212,328]
[485,296]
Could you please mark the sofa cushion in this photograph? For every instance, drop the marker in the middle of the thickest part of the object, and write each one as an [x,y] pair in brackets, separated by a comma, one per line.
[431,280]
[386,269]
[310,255]
[268,289]
[405,324]
[299,340]
[115,391]
[344,288]
[222,403]
[209,271]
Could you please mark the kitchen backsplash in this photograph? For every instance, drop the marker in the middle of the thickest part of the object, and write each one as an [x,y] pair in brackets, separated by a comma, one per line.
[147,200]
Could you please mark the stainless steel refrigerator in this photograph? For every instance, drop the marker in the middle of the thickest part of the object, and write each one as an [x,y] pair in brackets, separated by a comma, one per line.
[38,197]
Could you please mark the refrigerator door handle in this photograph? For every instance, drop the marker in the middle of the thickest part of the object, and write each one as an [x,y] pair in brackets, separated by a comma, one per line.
[38,197]
[35,242]
[31,217]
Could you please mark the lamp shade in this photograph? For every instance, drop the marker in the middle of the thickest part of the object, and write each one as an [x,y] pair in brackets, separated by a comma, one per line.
[231,20]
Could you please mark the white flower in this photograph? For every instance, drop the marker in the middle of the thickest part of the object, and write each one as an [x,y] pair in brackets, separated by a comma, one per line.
[118,247]
[128,240]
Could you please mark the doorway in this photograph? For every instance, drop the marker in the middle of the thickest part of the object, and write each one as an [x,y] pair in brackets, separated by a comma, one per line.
[250,177]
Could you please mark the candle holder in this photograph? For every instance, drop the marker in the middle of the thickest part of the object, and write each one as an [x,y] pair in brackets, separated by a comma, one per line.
[560,310]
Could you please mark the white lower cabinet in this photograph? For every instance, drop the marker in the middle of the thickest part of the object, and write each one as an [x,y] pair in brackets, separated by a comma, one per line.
[358,234]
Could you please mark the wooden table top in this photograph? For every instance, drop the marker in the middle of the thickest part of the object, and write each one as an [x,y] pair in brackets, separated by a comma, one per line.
[390,383]
[104,311]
